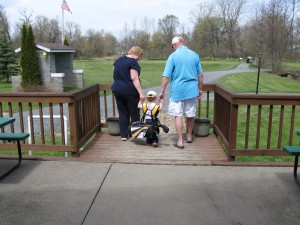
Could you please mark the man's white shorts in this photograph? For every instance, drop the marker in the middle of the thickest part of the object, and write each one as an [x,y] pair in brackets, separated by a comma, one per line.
[183,108]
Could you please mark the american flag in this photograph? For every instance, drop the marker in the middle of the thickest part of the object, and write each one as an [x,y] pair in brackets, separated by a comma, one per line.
[65,6]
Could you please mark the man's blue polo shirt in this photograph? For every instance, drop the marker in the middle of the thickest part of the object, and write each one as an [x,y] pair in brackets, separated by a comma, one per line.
[182,68]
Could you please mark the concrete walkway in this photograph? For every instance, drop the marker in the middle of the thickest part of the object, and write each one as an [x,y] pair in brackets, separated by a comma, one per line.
[71,193]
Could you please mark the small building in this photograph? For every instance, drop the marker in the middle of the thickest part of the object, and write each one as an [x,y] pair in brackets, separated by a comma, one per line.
[56,67]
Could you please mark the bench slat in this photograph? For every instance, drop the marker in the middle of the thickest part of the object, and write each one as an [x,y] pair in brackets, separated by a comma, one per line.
[292,150]
[13,136]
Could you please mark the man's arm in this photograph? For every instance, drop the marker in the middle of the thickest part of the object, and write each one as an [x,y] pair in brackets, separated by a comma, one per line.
[164,84]
[200,84]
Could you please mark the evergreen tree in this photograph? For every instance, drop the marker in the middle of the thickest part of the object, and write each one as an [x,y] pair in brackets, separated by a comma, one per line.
[23,39]
[8,63]
[31,75]
[66,43]
[22,56]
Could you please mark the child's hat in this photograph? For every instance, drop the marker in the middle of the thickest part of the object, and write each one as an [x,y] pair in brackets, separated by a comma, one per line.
[151,94]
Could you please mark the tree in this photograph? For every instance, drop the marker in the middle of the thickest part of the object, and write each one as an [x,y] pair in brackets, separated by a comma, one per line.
[26,18]
[94,44]
[8,63]
[66,43]
[110,44]
[126,41]
[168,27]
[274,27]
[31,76]
[46,30]
[23,42]
[4,22]
[231,11]
[209,31]
[72,33]
[157,46]
[208,36]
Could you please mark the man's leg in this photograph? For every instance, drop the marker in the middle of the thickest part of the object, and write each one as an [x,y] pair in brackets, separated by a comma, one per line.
[190,110]
[179,126]
[189,128]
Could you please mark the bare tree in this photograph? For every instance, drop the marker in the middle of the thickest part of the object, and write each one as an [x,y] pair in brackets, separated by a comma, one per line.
[202,11]
[168,27]
[277,23]
[231,11]
[126,40]
[148,25]
[209,31]
[26,18]
[72,32]
[93,44]
[296,41]
[110,44]
[46,30]
[208,37]
[55,32]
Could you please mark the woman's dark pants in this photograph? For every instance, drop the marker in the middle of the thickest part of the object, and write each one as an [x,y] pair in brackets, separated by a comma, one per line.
[128,112]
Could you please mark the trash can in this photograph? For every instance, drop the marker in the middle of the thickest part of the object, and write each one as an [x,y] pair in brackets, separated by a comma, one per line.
[113,126]
[201,127]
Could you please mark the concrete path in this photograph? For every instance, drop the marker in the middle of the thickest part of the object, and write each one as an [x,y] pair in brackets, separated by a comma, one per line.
[70,193]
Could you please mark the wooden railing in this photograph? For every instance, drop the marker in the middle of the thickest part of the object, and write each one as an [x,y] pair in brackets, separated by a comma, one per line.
[66,122]
[255,124]
[61,122]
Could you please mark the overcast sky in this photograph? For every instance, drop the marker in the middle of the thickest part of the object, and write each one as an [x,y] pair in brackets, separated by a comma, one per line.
[107,15]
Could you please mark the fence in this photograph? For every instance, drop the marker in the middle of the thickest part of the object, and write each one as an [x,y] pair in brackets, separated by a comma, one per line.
[246,124]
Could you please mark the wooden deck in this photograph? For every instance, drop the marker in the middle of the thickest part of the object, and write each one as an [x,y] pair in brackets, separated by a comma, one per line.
[110,149]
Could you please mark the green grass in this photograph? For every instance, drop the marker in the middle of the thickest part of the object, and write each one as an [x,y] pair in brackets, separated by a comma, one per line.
[95,71]
[293,66]
[5,87]
[268,83]
[101,71]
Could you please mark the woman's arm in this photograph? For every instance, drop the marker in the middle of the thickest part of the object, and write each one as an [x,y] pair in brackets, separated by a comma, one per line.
[136,82]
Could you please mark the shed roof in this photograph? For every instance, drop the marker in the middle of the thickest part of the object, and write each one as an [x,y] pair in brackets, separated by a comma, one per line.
[51,47]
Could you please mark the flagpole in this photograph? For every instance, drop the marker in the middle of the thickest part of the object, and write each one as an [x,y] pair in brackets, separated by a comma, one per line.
[63,27]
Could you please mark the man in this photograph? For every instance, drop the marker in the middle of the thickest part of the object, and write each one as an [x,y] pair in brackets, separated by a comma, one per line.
[183,69]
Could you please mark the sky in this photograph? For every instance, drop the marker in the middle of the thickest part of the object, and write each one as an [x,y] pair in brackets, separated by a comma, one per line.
[108,15]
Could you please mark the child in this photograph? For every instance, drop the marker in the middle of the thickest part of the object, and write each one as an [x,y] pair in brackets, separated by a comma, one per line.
[151,110]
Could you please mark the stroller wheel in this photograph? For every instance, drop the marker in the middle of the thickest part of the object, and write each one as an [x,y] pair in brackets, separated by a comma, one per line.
[165,128]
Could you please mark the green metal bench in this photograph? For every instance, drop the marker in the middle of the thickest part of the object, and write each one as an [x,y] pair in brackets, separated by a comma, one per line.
[13,137]
[294,150]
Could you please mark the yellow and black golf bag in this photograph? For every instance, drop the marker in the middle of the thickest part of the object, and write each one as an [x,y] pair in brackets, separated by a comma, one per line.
[147,129]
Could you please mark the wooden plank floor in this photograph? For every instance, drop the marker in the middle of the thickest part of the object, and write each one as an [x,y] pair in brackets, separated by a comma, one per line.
[110,149]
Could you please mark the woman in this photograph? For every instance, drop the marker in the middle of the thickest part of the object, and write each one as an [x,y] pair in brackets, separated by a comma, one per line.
[127,88]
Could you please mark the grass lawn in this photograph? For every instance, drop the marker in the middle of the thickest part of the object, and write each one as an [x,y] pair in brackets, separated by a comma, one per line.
[293,66]
[268,83]
[5,87]
[100,71]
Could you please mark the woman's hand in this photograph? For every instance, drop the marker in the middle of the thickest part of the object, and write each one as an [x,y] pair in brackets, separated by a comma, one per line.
[142,97]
